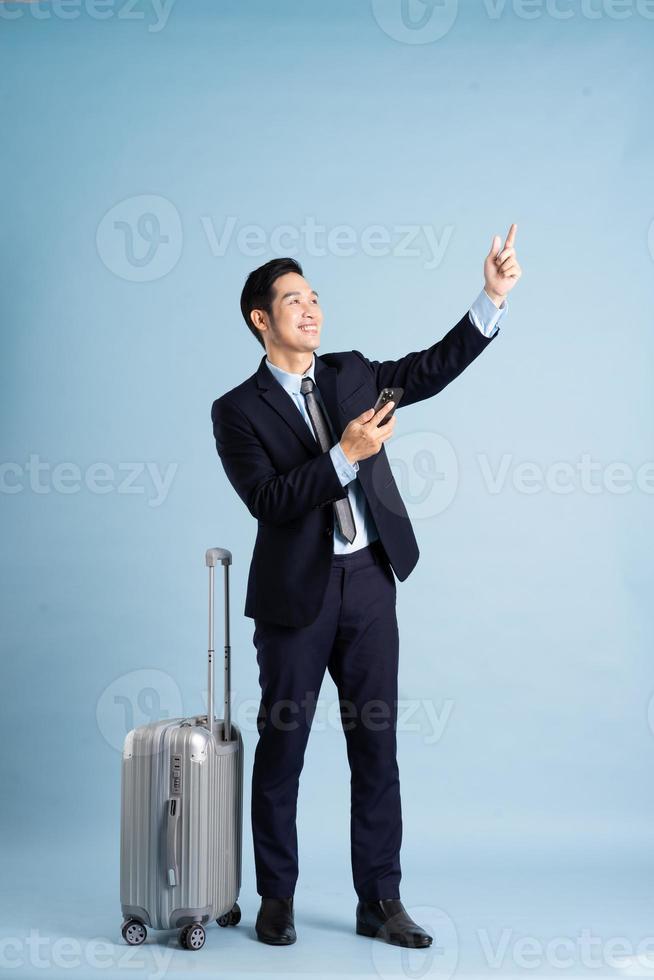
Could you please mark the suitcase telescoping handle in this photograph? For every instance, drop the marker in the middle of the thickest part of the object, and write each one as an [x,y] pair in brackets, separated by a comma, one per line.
[215,556]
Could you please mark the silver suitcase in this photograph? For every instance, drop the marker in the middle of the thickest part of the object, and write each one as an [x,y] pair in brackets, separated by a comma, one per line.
[181,813]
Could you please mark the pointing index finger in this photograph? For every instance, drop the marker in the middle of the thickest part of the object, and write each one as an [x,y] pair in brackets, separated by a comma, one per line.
[510,238]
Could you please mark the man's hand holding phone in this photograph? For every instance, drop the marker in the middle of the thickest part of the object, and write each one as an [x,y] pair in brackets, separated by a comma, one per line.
[364,435]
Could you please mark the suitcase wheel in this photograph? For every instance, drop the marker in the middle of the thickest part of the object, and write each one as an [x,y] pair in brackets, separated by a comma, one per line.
[231,918]
[192,936]
[134,932]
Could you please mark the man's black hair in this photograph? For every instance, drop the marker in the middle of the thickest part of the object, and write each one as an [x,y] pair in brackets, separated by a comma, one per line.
[258,289]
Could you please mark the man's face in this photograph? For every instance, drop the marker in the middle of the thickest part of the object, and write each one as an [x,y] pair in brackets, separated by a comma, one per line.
[296,316]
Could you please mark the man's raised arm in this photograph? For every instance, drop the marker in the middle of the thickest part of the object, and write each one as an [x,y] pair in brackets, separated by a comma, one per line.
[425,373]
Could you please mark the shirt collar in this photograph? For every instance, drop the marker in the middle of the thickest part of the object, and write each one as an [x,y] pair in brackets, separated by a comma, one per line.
[292,382]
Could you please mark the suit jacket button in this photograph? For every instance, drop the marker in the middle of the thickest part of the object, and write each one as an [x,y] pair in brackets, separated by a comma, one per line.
[329,531]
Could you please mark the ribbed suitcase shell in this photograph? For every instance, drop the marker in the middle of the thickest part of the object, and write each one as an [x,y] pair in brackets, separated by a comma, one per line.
[208,830]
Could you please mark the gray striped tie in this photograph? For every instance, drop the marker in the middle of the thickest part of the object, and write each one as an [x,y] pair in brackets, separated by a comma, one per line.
[342,508]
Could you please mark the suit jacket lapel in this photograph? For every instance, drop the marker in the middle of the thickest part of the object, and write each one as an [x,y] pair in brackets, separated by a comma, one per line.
[327,382]
[275,396]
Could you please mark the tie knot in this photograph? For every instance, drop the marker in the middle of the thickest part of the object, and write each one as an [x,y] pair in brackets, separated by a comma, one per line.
[306,386]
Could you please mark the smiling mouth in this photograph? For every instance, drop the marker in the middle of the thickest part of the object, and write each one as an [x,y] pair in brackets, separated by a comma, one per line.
[308,328]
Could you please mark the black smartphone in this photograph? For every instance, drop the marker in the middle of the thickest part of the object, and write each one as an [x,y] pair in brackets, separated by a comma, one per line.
[388,395]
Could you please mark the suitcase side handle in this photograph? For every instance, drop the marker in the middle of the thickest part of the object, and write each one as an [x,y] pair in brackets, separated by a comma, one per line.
[172,867]
[212,557]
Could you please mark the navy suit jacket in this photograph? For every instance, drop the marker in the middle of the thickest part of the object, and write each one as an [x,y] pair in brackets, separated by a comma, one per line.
[288,484]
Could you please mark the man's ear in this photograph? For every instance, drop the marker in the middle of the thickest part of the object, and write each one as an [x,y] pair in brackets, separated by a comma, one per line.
[259,321]
[258,318]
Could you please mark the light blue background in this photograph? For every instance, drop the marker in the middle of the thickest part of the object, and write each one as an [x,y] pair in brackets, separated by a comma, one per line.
[526,626]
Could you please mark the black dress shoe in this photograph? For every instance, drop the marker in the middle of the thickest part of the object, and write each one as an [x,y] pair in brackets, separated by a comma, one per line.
[387,919]
[275,924]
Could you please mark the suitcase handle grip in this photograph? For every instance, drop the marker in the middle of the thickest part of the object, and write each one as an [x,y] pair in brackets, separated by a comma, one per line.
[216,555]
[172,815]
[212,558]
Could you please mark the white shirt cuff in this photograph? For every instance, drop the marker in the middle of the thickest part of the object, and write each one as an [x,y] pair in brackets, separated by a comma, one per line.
[345,470]
[485,315]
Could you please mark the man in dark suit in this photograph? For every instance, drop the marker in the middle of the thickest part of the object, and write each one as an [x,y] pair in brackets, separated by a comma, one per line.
[304,450]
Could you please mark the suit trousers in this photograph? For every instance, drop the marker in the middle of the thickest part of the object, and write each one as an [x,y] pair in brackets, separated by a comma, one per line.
[355,637]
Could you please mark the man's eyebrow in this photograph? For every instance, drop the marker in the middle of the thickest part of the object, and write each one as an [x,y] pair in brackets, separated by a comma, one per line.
[296,293]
